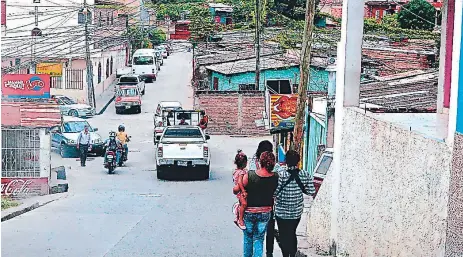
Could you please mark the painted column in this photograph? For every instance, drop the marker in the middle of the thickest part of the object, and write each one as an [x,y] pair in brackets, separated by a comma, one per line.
[453,244]
[347,90]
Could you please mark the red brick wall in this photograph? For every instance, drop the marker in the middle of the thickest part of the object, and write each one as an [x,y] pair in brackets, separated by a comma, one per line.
[227,116]
[396,62]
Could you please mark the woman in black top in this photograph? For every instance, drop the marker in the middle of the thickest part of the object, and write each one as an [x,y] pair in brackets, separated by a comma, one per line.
[260,186]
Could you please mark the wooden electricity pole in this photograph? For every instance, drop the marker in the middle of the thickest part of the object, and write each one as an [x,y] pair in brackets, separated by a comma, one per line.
[305,73]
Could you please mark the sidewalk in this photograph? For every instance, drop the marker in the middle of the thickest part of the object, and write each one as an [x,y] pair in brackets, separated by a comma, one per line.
[302,240]
[30,204]
[105,99]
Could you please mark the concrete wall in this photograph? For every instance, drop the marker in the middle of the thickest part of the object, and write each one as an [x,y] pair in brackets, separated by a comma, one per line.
[232,113]
[454,243]
[393,191]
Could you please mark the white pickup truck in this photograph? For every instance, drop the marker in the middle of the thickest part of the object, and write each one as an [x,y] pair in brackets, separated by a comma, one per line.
[183,148]
[123,71]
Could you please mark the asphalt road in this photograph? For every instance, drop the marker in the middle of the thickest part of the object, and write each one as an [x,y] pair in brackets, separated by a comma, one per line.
[131,213]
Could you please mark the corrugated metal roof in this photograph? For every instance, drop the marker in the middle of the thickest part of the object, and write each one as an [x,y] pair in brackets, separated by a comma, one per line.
[248,65]
[30,114]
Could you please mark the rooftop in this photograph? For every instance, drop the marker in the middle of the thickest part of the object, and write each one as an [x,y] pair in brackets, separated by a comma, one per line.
[243,66]
[407,92]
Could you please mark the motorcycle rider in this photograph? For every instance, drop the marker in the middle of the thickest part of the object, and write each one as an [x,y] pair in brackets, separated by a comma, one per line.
[123,138]
[111,145]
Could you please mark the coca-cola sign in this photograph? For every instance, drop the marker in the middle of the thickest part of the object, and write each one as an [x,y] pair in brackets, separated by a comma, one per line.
[24,187]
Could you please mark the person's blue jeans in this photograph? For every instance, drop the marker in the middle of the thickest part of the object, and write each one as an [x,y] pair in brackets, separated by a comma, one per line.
[126,148]
[256,226]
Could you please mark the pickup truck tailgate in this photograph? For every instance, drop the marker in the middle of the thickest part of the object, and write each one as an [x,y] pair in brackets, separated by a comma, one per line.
[183,150]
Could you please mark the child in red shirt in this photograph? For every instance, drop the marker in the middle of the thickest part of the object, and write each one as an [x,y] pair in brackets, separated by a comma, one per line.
[241,161]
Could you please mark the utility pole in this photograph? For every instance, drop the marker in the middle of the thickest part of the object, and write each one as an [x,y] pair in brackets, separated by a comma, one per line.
[34,34]
[305,74]
[257,44]
[91,90]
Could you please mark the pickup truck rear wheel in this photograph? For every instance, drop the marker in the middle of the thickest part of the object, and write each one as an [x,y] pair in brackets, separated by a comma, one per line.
[159,172]
[205,172]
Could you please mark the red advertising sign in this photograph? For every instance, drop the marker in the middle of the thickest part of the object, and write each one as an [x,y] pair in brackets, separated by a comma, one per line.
[26,86]
[24,187]
[3,12]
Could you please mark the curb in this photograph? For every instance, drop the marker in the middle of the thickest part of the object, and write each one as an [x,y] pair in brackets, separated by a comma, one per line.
[29,207]
[106,106]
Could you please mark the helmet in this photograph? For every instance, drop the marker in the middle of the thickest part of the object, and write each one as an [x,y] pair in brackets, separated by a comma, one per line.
[112,134]
[121,128]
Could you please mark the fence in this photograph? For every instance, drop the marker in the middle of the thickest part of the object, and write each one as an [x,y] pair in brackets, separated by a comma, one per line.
[74,79]
[20,153]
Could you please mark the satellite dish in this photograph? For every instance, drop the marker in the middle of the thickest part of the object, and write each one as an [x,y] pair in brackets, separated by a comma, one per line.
[331,60]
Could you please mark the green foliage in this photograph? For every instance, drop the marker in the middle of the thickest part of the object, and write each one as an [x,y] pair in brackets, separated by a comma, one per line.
[371,26]
[174,9]
[390,21]
[202,26]
[7,203]
[157,36]
[417,14]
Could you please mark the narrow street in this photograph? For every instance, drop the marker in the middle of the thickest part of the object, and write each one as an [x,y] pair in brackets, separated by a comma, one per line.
[132,213]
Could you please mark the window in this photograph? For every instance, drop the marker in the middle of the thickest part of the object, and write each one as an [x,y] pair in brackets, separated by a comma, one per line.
[324,164]
[247,87]
[66,100]
[99,21]
[279,86]
[377,14]
[99,72]
[111,65]
[76,126]
[107,68]
[143,60]
[215,85]
[182,133]
[128,79]
[112,18]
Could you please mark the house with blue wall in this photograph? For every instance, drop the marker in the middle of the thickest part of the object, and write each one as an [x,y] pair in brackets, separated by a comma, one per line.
[278,73]
[221,13]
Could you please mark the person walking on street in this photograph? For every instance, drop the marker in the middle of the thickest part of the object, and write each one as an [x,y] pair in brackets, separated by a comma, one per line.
[83,142]
[292,184]
[260,186]
[265,146]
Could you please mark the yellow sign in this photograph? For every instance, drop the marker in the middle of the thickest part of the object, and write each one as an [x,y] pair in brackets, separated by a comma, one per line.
[283,110]
[52,69]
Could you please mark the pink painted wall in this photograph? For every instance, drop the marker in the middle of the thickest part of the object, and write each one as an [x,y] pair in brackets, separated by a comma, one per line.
[448,53]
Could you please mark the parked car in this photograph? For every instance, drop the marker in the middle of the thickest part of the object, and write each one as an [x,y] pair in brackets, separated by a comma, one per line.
[69,107]
[183,147]
[163,51]
[132,80]
[64,137]
[128,97]
[124,71]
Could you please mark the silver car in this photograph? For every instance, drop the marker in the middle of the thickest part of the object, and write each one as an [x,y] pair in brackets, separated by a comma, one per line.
[69,107]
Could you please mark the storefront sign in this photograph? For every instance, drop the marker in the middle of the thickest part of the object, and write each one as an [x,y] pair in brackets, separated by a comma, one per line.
[26,86]
[283,109]
[52,69]
[24,187]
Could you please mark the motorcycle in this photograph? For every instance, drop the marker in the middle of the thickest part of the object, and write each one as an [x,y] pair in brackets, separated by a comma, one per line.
[111,161]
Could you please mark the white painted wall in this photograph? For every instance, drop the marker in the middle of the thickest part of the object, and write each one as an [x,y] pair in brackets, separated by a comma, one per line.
[45,154]
[393,192]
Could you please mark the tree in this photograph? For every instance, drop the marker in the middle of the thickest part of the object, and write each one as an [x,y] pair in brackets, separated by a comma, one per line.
[417,14]
[390,20]
[202,25]
[157,36]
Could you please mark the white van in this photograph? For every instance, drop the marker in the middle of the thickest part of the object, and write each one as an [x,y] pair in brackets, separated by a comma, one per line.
[144,63]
